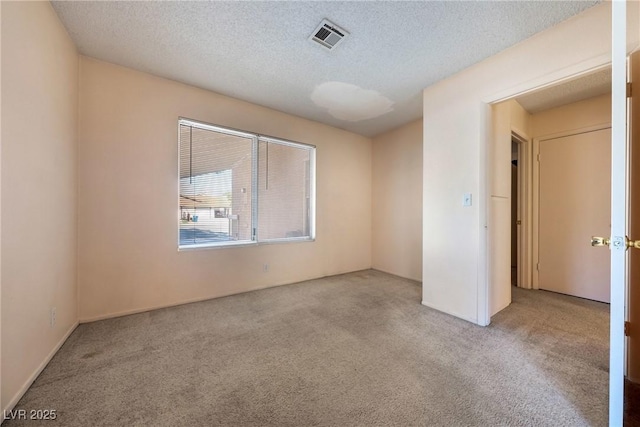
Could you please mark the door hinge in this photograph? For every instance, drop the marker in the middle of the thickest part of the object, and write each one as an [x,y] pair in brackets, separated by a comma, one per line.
[627,329]
[629,90]
[538,158]
[538,266]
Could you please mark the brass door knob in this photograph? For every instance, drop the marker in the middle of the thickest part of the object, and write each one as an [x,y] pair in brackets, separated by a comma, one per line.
[633,244]
[599,241]
[604,241]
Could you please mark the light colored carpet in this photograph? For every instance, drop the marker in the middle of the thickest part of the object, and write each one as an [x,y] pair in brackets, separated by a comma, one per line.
[350,350]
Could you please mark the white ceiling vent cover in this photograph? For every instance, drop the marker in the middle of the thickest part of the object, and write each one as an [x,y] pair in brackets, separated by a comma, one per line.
[328,34]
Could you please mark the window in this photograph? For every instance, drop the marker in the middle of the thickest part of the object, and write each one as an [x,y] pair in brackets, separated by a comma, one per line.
[242,188]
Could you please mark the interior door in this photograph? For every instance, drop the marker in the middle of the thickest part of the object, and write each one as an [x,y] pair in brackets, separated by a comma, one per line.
[619,186]
[633,307]
[574,202]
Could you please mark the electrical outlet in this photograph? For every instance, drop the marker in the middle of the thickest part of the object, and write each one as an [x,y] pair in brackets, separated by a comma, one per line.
[265,268]
[52,317]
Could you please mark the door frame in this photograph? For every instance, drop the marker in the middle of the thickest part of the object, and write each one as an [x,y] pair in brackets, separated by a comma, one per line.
[490,153]
[524,209]
[535,259]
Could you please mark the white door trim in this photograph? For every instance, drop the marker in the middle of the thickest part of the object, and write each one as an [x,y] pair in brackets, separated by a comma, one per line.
[525,177]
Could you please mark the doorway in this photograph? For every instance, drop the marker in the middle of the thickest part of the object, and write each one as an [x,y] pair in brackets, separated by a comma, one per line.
[569,125]
[515,218]
[623,38]
[563,133]
[520,199]
[522,126]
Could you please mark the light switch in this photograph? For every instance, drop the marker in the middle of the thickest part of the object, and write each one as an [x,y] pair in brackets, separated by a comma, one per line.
[466,200]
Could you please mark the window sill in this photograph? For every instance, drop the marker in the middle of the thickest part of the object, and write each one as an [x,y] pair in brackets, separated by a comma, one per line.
[188,248]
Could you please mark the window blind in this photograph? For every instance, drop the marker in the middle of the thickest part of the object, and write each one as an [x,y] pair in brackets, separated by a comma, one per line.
[284,191]
[215,186]
[238,187]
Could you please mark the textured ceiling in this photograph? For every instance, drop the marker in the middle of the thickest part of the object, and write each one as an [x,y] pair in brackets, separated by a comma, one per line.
[585,87]
[260,51]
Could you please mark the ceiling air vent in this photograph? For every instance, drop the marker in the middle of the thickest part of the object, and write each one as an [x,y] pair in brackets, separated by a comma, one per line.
[328,34]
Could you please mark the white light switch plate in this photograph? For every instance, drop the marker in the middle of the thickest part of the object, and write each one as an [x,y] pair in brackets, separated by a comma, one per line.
[466,199]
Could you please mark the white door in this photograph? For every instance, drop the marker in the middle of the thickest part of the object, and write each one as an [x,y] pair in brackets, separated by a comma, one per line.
[619,178]
[574,202]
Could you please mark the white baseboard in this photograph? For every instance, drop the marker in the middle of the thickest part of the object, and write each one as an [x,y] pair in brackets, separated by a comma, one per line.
[501,308]
[397,274]
[16,398]
[122,313]
[451,313]
[90,319]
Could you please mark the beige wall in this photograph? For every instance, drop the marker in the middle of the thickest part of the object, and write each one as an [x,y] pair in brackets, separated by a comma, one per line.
[397,201]
[508,117]
[128,167]
[457,124]
[39,136]
[578,115]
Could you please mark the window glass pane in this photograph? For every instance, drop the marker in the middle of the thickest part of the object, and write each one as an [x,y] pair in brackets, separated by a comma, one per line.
[215,187]
[283,191]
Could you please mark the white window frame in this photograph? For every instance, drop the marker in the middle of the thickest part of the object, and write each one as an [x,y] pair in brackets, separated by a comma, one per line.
[255,138]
